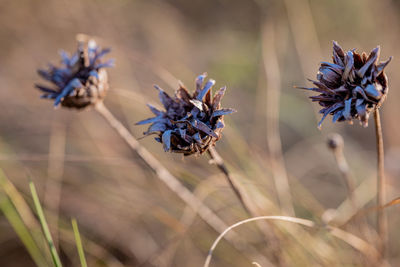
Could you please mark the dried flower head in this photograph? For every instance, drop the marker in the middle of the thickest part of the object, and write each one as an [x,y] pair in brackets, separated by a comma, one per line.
[81,80]
[352,86]
[335,141]
[191,123]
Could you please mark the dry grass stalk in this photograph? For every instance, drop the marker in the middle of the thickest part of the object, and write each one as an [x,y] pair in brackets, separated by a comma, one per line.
[381,190]
[274,143]
[354,241]
[336,144]
[217,160]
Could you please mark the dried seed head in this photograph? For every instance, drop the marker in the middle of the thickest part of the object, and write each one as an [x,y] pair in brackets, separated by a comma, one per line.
[81,80]
[352,86]
[335,141]
[191,123]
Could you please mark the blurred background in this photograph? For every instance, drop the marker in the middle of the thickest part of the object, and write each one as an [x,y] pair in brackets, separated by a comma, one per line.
[259,49]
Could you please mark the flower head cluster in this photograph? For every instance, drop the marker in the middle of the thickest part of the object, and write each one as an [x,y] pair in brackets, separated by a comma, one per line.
[191,123]
[81,80]
[352,86]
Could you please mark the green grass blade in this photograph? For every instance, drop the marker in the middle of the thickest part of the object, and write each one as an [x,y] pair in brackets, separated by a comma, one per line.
[46,230]
[26,216]
[79,243]
[21,230]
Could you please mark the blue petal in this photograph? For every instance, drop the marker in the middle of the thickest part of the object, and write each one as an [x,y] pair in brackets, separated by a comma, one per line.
[199,81]
[99,55]
[74,58]
[65,58]
[44,74]
[45,89]
[109,63]
[155,128]
[222,112]
[165,99]
[349,65]
[154,110]
[94,73]
[372,91]
[149,120]
[206,88]
[166,139]
[75,83]
[49,96]
[337,116]
[220,125]
[204,128]
[327,111]
[347,109]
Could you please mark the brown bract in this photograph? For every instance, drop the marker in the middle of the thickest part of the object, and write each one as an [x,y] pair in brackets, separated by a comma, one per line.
[352,86]
[190,123]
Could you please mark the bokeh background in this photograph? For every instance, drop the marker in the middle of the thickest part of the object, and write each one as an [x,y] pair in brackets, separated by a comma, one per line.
[259,49]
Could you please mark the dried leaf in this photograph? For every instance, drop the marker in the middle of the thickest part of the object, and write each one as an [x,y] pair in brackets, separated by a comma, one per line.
[198,104]
[217,97]
[165,99]
[373,57]
[349,65]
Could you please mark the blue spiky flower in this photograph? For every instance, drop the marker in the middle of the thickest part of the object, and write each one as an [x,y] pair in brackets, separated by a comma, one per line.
[352,86]
[81,80]
[190,123]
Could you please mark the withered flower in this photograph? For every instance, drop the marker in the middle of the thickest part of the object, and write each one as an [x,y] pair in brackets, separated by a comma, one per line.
[191,123]
[81,80]
[352,86]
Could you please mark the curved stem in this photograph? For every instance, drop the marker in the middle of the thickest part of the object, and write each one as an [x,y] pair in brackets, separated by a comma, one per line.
[217,159]
[354,241]
[381,192]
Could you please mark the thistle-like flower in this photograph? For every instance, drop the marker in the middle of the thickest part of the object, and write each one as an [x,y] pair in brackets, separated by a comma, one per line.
[190,124]
[81,81]
[352,86]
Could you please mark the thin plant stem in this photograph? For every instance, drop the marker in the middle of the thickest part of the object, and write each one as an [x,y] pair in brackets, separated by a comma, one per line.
[364,212]
[45,227]
[336,145]
[163,174]
[78,241]
[274,143]
[381,192]
[217,160]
